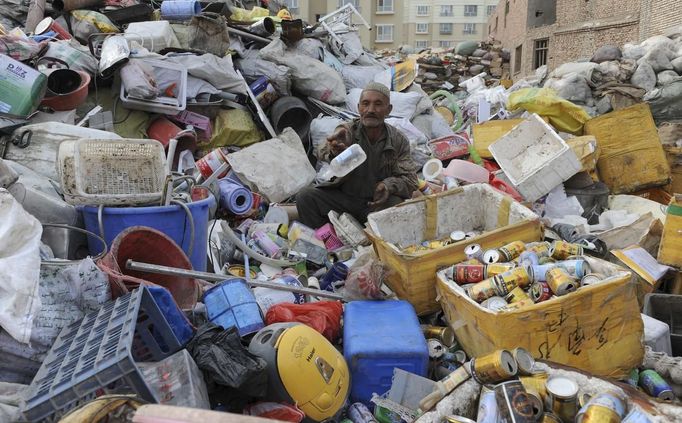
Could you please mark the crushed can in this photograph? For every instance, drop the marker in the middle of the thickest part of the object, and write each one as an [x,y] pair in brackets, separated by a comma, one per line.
[517,295]
[540,291]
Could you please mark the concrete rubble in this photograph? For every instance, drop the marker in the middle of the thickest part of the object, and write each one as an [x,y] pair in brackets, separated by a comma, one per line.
[155,267]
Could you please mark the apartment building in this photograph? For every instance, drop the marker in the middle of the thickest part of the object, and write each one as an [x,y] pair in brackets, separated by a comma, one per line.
[439,23]
[540,32]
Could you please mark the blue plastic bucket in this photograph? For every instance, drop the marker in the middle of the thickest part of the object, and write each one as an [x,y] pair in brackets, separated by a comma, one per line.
[180,10]
[171,220]
[232,303]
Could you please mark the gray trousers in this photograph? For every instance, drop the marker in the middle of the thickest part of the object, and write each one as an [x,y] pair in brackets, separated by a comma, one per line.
[315,203]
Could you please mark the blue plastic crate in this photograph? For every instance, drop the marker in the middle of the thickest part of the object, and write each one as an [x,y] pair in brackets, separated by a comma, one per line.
[232,303]
[98,354]
[379,336]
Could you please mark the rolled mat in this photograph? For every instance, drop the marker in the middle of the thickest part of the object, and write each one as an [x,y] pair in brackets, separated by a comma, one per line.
[234,197]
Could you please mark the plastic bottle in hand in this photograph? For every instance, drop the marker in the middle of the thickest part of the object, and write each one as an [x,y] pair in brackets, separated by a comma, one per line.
[345,162]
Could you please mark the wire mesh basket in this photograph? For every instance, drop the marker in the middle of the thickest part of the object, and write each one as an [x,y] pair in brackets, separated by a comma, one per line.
[123,172]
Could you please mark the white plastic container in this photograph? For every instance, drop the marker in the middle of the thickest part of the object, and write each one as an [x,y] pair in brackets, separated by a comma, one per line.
[535,158]
[162,104]
[113,173]
[344,163]
[152,35]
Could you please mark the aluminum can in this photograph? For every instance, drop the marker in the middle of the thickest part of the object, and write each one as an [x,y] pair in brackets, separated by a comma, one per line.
[516,295]
[591,279]
[488,411]
[436,349]
[562,394]
[560,282]
[537,383]
[637,415]
[517,276]
[540,291]
[524,361]
[458,419]
[515,405]
[518,305]
[491,256]
[457,236]
[483,290]
[469,273]
[536,403]
[595,413]
[512,250]
[359,413]
[550,418]
[539,248]
[654,385]
[493,368]
[444,334]
[494,303]
[576,268]
[495,269]
[458,357]
[562,250]
[528,258]
[474,251]
[633,377]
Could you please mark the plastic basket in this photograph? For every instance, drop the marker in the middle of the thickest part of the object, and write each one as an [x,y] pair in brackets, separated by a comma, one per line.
[98,354]
[668,309]
[162,104]
[327,234]
[112,172]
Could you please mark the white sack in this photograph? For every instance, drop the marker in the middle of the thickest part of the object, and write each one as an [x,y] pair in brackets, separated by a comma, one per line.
[404,104]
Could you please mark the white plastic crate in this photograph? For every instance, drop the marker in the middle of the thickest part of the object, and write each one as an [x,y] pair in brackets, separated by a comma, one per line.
[112,172]
[162,104]
[535,158]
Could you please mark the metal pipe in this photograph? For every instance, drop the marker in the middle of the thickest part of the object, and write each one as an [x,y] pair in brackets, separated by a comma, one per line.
[214,277]
[248,36]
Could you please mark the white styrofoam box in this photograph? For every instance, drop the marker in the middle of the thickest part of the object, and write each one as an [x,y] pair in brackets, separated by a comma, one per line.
[535,158]
[657,335]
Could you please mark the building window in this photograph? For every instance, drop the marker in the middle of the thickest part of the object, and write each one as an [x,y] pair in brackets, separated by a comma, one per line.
[446,28]
[422,28]
[518,54]
[496,22]
[421,44]
[384,34]
[446,11]
[444,44]
[384,6]
[540,53]
[469,28]
[292,6]
[355,3]
[470,10]
[422,10]
[490,10]
[506,12]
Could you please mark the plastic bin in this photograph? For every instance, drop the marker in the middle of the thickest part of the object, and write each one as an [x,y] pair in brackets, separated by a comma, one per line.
[478,207]
[379,336]
[99,354]
[535,158]
[153,35]
[171,220]
[668,309]
[112,172]
[161,104]
[232,303]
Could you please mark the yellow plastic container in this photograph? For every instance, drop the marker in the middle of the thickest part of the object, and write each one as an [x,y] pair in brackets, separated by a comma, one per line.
[597,329]
[632,157]
[473,207]
[670,249]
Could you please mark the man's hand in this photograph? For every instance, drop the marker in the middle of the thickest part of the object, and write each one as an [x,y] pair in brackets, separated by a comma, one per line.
[338,141]
[381,195]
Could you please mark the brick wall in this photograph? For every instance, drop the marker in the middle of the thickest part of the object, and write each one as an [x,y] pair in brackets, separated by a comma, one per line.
[659,15]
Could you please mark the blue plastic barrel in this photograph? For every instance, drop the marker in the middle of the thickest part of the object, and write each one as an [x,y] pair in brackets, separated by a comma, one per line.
[232,303]
[180,10]
[171,220]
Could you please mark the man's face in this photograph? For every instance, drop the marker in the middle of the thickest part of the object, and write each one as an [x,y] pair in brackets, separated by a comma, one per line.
[373,107]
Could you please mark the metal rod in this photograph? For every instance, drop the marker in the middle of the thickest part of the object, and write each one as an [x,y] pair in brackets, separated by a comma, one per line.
[248,35]
[214,277]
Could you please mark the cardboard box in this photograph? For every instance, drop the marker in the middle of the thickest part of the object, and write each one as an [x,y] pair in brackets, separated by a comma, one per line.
[487,133]
[632,157]
[22,87]
[472,207]
[597,329]
[648,272]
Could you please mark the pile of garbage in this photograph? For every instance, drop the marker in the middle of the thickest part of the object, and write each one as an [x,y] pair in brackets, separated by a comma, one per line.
[155,264]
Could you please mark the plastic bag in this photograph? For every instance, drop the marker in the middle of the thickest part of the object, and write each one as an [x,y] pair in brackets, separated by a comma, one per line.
[87,22]
[208,32]
[359,76]
[323,316]
[320,128]
[563,115]
[20,49]
[234,127]
[275,411]
[365,278]
[404,104]
[75,55]
[278,75]
[310,77]
[139,80]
